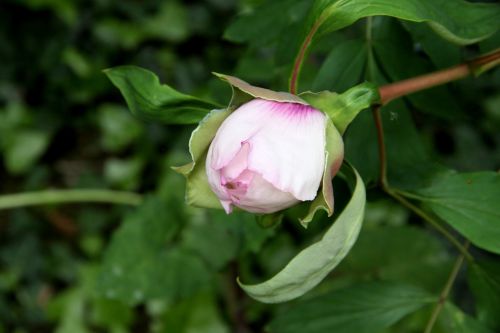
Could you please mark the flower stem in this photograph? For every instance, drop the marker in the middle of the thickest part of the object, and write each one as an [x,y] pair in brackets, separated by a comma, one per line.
[402,200]
[50,197]
[446,291]
[395,90]
[297,65]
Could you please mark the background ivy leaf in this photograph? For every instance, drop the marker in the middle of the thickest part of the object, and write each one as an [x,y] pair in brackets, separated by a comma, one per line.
[312,264]
[469,203]
[368,307]
[150,100]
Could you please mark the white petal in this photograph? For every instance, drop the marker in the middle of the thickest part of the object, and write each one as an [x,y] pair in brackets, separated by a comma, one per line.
[235,130]
[263,197]
[284,143]
[289,149]
[214,179]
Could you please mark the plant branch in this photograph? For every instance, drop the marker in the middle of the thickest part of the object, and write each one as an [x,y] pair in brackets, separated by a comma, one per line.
[50,197]
[395,90]
[297,65]
[235,301]
[446,291]
[402,200]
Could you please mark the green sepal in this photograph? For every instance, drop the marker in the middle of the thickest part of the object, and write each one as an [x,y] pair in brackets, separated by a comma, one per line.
[198,191]
[334,154]
[343,108]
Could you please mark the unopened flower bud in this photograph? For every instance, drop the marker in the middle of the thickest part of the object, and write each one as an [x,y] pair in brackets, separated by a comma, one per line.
[267,156]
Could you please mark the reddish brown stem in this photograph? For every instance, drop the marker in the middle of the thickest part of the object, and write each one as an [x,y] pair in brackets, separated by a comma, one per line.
[398,89]
[297,65]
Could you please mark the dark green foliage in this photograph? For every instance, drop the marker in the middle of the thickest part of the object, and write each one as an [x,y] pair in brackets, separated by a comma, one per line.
[366,307]
[168,267]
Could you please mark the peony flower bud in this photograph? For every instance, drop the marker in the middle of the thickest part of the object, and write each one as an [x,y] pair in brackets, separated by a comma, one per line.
[263,153]
[267,156]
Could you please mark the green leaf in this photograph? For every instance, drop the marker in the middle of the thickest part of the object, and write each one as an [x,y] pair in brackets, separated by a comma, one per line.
[369,307]
[24,148]
[220,238]
[138,265]
[385,251]
[198,314]
[178,25]
[314,263]
[469,203]
[150,100]
[442,54]
[343,67]
[408,162]
[484,281]
[454,320]
[458,21]
[119,128]
[263,25]
[343,108]
[396,55]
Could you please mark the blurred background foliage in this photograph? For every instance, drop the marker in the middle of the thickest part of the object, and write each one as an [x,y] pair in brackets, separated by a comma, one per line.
[166,267]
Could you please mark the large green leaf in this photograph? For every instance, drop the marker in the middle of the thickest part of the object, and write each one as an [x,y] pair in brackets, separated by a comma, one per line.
[469,203]
[459,21]
[385,251]
[147,98]
[263,25]
[453,320]
[368,307]
[343,67]
[484,280]
[409,163]
[312,264]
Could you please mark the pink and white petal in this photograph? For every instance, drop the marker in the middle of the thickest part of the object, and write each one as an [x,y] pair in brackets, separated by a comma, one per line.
[263,197]
[238,164]
[289,149]
[214,179]
[236,129]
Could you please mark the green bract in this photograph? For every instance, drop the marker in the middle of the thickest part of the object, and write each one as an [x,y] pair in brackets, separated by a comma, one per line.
[313,264]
